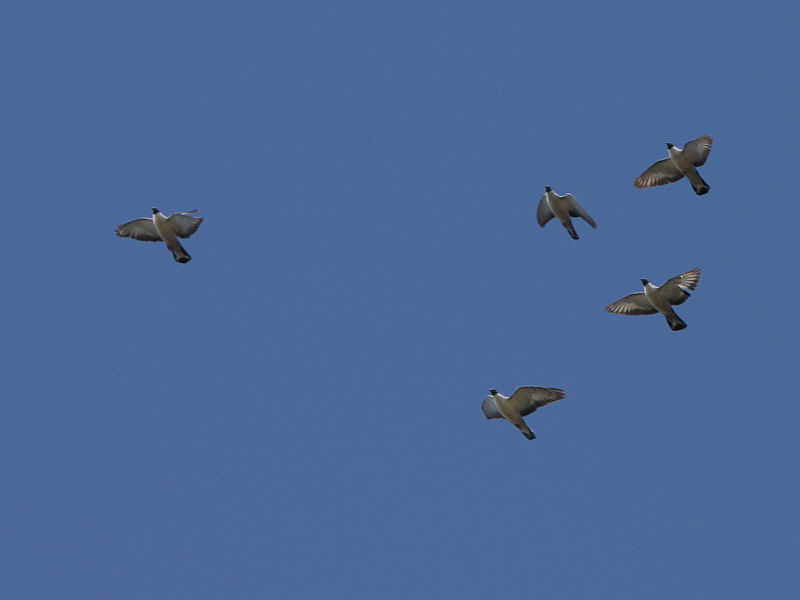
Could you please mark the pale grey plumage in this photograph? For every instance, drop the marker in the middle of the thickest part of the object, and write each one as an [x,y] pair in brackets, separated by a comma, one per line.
[661,299]
[563,207]
[680,162]
[522,402]
[160,228]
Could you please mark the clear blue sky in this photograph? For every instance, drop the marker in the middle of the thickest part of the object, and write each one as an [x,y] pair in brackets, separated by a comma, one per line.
[296,412]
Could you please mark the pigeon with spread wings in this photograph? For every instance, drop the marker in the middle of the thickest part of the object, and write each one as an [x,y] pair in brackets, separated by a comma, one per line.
[160,228]
[522,402]
[562,207]
[659,299]
[679,163]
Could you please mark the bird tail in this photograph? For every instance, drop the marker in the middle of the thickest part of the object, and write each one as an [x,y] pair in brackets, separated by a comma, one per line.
[571,230]
[675,322]
[179,253]
[699,185]
[526,431]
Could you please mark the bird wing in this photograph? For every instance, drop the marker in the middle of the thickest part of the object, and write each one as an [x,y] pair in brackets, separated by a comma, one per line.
[632,304]
[489,408]
[139,229]
[576,210]
[659,173]
[676,290]
[543,213]
[697,151]
[185,225]
[528,398]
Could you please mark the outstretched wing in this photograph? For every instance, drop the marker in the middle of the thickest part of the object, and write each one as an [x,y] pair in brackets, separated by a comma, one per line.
[185,225]
[676,290]
[528,398]
[139,229]
[632,304]
[489,408]
[659,173]
[543,213]
[576,210]
[697,151]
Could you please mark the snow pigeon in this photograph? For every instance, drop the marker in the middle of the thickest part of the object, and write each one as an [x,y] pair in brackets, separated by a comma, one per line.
[562,207]
[681,161]
[521,403]
[160,228]
[659,299]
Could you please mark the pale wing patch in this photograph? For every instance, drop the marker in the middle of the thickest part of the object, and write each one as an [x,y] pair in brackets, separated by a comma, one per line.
[676,290]
[528,398]
[139,229]
[697,151]
[632,304]
[660,173]
[184,225]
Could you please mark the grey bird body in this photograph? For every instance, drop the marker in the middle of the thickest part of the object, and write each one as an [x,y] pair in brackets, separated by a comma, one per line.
[522,402]
[659,299]
[563,207]
[680,163]
[160,228]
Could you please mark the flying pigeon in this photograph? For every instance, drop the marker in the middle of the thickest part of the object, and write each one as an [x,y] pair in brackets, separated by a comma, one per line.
[681,161]
[161,228]
[521,403]
[659,299]
[562,207]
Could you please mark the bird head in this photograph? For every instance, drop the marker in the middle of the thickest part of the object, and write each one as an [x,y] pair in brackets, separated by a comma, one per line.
[493,392]
[547,188]
[644,281]
[155,211]
[670,145]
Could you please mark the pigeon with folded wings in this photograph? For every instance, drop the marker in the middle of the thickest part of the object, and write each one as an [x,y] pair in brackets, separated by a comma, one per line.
[160,228]
[562,207]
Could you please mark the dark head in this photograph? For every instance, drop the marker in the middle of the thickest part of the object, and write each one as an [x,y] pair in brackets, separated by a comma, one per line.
[547,188]
[670,145]
[493,392]
[644,281]
[155,210]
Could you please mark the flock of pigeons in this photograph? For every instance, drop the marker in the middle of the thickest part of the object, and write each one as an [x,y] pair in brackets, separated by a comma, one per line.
[680,162]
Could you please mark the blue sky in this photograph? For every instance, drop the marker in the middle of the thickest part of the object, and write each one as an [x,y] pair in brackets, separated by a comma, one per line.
[296,412]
